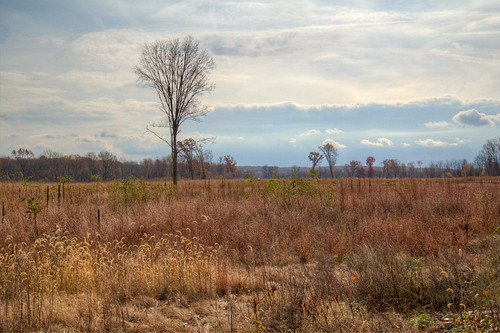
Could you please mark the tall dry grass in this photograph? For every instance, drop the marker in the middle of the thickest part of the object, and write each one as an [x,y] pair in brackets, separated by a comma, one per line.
[299,255]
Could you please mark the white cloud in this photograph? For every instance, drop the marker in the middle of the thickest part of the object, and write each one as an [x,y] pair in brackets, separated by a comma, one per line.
[436,124]
[336,144]
[240,138]
[474,118]
[109,50]
[404,144]
[98,80]
[381,142]
[334,131]
[439,143]
[311,132]
[293,141]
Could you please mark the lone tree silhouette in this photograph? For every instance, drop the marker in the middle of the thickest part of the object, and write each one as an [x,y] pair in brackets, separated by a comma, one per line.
[315,159]
[330,153]
[178,72]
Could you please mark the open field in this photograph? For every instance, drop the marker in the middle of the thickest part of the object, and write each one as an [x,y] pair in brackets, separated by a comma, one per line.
[296,255]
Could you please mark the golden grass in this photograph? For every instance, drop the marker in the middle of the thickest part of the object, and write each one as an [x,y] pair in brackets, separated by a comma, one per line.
[248,255]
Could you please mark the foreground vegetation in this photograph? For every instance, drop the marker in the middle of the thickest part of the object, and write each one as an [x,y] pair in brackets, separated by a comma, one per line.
[300,255]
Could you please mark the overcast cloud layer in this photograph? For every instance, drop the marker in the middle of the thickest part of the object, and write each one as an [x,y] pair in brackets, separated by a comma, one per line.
[413,80]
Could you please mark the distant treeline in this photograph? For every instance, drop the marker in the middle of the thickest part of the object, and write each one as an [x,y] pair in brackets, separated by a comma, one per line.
[487,162]
[52,166]
[199,164]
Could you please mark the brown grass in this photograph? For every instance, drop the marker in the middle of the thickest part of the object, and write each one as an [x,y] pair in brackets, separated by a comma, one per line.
[308,255]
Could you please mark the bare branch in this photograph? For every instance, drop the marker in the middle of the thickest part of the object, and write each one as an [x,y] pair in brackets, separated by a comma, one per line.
[158,136]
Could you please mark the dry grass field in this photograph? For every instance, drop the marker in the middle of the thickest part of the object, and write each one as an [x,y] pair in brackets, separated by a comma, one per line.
[295,255]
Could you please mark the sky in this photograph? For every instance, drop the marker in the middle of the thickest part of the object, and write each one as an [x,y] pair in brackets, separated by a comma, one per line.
[412,80]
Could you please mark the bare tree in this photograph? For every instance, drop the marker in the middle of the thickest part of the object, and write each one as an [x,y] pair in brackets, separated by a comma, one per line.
[205,157]
[353,169]
[187,154]
[369,163]
[178,72]
[392,168]
[230,165]
[489,157]
[22,157]
[108,161]
[269,171]
[330,153]
[315,159]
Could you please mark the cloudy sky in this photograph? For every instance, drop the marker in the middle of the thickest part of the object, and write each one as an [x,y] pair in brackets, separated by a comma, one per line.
[413,80]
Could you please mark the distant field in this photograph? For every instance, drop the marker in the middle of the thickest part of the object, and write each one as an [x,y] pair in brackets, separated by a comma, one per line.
[280,255]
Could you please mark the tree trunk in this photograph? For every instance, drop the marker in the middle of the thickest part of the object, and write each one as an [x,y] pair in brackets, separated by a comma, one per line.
[174,158]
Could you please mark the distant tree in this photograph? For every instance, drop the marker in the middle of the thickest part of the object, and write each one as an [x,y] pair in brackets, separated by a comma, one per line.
[411,168]
[420,163]
[187,151]
[93,163]
[269,171]
[403,170]
[194,157]
[369,163]
[361,172]
[146,167]
[466,170]
[7,168]
[49,153]
[22,157]
[488,158]
[205,158]
[79,167]
[353,169]
[296,171]
[315,159]
[22,153]
[178,72]
[230,165]
[391,168]
[159,168]
[108,161]
[330,153]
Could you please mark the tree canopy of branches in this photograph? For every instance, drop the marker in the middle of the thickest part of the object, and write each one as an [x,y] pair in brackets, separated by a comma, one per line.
[489,157]
[192,154]
[353,169]
[108,160]
[369,163]
[230,165]
[22,155]
[392,168]
[315,159]
[179,73]
[330,153]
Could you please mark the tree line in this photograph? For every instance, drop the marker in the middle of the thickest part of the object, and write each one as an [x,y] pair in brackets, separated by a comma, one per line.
[487,162]
[194,163]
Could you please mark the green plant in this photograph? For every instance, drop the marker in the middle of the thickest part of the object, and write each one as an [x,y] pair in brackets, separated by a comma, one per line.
[65,179]
[290,191]
[253,181]
[423,320]
[128,190]
[25,181]
[33,209]
[96,178]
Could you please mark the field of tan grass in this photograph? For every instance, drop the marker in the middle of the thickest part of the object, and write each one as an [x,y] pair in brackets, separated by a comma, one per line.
[281,255]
